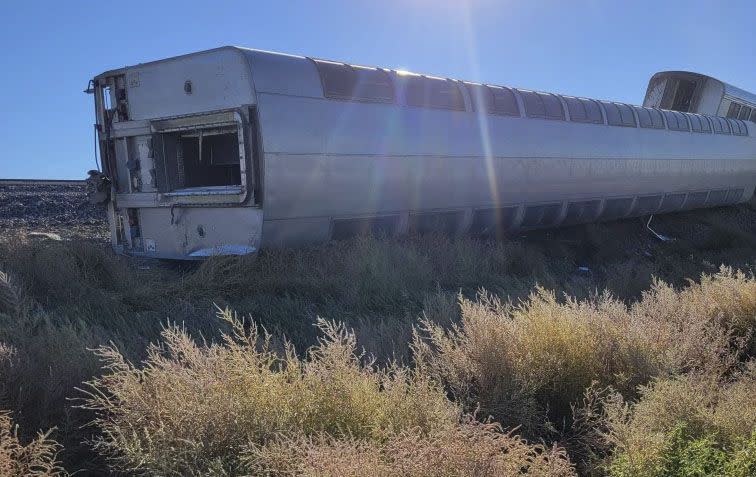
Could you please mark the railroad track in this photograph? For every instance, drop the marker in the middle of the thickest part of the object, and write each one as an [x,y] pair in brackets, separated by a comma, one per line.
[42,182]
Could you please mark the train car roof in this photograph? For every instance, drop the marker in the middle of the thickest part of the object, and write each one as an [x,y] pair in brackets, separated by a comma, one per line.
[729,89]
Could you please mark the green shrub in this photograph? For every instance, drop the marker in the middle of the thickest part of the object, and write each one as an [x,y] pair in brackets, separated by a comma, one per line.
[685,456]
[694,424]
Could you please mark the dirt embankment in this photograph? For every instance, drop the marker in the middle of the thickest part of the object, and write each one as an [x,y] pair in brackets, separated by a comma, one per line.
[60,209]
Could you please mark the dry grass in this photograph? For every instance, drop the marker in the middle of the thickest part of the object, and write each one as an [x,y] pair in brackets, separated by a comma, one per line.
[716,414]
[530,364]
[57,299]
[240,401]
[525,364]
[36,458]
[470,449]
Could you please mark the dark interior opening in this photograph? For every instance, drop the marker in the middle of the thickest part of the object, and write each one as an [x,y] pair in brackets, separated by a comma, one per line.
[209,160]
[683,95]
[434,222]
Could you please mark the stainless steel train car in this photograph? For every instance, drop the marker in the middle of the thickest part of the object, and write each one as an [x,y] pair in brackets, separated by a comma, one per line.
[697,93]
[229,150]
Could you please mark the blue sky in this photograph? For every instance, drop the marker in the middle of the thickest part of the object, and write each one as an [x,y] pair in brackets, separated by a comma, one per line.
[594,48]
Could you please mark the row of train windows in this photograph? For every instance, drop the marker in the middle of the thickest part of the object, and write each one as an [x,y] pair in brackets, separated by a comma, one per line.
[342,81]
[614,208]
[497,221]
[486,221]
[741,111]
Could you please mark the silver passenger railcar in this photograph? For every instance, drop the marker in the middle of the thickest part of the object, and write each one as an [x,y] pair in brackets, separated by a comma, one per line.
[229,150]
[697,93]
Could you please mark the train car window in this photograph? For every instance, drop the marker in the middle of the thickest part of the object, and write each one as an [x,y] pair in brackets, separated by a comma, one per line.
[583,110]
[542,105]
[427,92]
[696,200]
[745,113]
[581,212]
[534,106]
[373,85]
[493,99]
[482,97]
[618,114]
[553,105]
[616,208]
[720,125]
[646,205]
[739,127]
[672,202]
[698,123]
[541,215]
[734,196]
[342,81]
[676,121]
[492,222]
[504,101]
[753,115]
[434,222]
[649,117]
[734,110]
[338,79]
[716,197]
[683,95]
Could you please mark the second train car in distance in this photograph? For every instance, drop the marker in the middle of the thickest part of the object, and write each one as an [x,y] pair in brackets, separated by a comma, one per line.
[697,93]
[229,150]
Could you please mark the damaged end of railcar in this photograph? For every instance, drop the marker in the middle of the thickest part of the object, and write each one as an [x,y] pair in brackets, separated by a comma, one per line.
[179,172]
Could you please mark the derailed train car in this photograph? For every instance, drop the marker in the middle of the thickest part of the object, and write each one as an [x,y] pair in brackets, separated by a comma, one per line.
[229,150]
[697,93]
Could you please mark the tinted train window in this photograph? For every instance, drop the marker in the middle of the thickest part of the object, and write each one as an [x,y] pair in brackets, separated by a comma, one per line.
[504,101]
[739,128]
[699,123]
[436,222]
[745,113]
[494,99]
[583,110]
[373,84]
[541,215]
[695,200]
[482,97]
[618,114]
[542,105]
[616,208]
[647,204]
[433,93]
[734,195]
[492,222]
[734,110]
[672,202]
[338,79]
[676,121]
[649,117]
[580,212]
[720,125]
[342,81]
[753,115]
[716,197]
[683,95]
